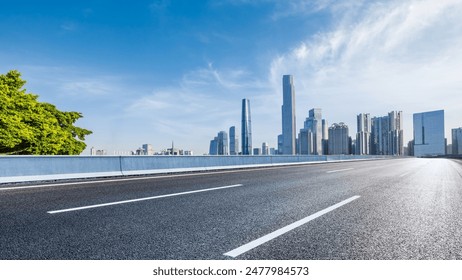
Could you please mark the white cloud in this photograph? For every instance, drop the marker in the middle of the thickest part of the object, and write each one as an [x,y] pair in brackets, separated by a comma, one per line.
[393,56]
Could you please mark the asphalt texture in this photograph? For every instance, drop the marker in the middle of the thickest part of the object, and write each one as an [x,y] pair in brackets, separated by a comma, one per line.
[407,209]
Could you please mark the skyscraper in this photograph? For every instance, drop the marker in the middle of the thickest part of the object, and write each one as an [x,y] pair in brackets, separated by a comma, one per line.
[246,128]
[233,141]
[338,139]
[387,134]
[280,144]
[222,143]
[264,148]
[288,115]
[363,134]
[213,149]
[325,136]
[429,134]
[313,130]
[306,139]
[456,141]
[395,134]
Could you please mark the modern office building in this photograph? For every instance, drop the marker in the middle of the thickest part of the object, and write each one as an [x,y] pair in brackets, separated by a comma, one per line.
[280,144]
[429,134]
[288,115]
[223,143]
[313,132]
[456,141]
[363,134]
[213,149]
[339,140]
[396,141]
[306,139]
[256,151]
[387,134]
[325,137]
[246,128]
[233,141]
[379,135]
[264,148]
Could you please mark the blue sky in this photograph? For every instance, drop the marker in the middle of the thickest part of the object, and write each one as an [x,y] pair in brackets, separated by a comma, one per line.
[162,71]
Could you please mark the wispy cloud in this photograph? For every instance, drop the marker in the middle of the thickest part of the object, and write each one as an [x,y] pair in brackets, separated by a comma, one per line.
[69,26]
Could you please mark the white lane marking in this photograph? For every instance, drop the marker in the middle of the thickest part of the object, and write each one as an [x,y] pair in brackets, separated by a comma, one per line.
[340,170]
[140,199]
[257,242]
[402,175]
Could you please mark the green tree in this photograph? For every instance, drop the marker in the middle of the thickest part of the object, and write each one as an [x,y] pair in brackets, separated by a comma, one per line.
[30,127]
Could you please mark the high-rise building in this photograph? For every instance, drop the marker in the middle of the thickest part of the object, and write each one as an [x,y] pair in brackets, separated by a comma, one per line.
[256,151]
[363,134]
[379,135]
[222,144]
[429,134]
[325,136]
[288,115]
[306,139]
[264,148]
[246,128]
[456,141]
[339,141]
[213,149]
[312,131]
[387,134]
[233,141]
[280,144]
[395,134]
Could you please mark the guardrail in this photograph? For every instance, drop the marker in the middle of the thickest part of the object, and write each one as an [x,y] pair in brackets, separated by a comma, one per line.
[40,168]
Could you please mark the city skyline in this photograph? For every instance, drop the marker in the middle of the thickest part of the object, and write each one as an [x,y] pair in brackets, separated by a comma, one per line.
[136,83]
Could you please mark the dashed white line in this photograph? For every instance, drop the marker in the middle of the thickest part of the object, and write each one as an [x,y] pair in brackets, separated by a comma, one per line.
[340,170]
[139,199]
[249,246]
[402,175]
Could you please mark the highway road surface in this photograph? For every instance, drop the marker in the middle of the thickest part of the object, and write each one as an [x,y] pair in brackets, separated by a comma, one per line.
[384,209]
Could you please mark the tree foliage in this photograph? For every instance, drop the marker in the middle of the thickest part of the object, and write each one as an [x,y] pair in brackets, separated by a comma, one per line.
[30,127]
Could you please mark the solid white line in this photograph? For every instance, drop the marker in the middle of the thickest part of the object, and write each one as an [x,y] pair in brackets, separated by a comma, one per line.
[340,170]
[140,199]
[249,246]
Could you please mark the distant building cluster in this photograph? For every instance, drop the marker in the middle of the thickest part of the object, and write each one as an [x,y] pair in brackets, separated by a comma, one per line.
[145,150]
[378,135]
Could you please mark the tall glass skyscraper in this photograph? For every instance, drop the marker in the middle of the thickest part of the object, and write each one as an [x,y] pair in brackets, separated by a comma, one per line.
[429,134]
[456,141]
[246,128]
[222,143]
[288,115]
[233,141]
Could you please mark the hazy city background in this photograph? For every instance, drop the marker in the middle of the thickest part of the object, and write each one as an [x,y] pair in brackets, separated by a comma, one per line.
[161,71]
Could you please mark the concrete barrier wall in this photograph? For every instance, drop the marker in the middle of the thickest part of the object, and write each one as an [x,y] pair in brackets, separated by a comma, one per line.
[34,168]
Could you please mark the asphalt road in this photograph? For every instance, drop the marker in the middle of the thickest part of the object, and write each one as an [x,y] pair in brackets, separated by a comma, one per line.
[385,209]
